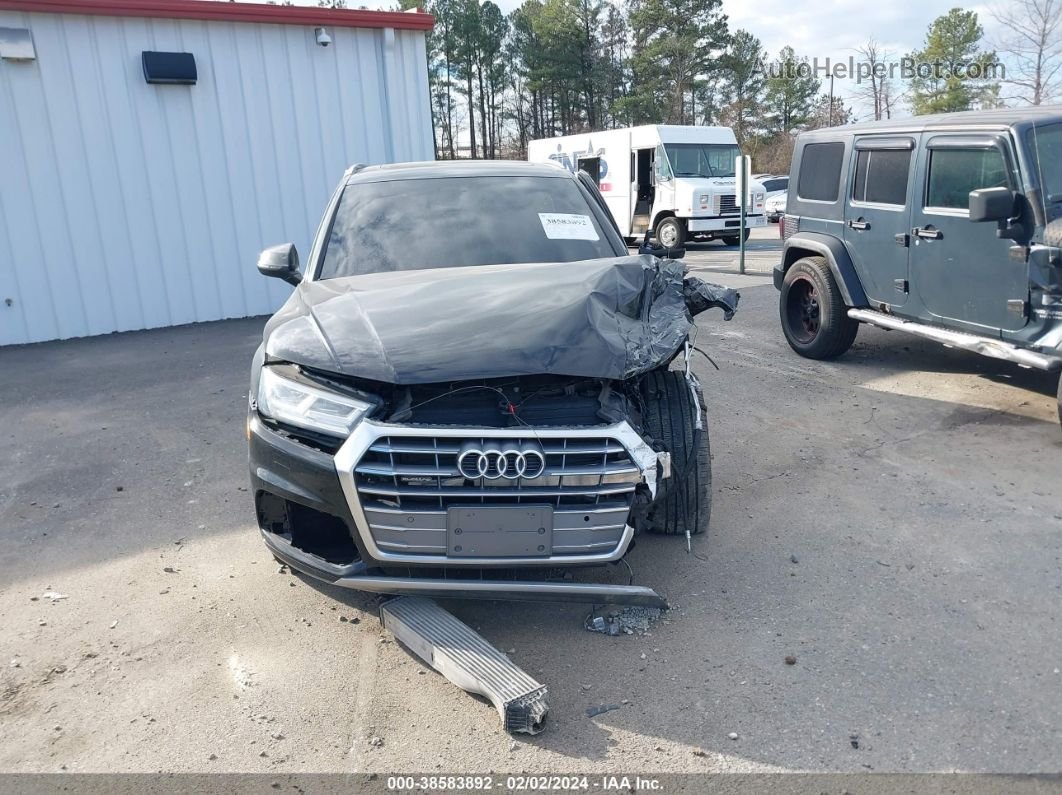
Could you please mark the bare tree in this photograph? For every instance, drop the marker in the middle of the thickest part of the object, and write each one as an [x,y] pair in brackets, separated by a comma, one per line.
[876,89]
[1032,38]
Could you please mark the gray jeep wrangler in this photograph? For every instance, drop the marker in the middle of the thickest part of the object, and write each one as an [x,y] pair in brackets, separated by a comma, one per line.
[948,227]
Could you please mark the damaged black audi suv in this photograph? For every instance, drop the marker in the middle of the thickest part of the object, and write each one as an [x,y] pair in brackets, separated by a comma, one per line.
[474,388]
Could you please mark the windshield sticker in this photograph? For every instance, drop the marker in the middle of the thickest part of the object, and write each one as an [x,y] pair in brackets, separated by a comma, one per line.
[568,226]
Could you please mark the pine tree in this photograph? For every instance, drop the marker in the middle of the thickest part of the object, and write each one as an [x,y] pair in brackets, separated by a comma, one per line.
[946,68]
[790,94]
[677,46]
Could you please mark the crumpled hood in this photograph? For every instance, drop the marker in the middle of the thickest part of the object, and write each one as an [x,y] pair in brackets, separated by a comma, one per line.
[610,318]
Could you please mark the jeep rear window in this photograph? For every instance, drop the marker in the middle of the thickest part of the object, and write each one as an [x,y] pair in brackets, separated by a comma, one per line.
[881,176]
[450,222]
[953,173]
[820,172]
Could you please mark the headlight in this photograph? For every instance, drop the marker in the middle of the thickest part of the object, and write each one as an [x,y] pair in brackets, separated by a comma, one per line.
[307,406]
[704,198]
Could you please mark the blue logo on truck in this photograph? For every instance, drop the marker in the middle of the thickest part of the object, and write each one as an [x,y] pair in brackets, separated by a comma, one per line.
[570,160]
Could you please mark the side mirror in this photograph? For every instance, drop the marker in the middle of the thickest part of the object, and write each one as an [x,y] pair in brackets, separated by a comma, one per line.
[281,262]
[992,204]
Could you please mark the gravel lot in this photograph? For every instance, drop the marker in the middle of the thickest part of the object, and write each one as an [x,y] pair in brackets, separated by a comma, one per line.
[890,521]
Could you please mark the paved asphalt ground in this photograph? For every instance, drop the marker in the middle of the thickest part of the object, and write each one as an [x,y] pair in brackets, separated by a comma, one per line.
[891,520]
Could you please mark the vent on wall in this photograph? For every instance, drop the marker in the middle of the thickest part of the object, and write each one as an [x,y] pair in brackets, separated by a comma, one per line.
[173,68]
[16,44]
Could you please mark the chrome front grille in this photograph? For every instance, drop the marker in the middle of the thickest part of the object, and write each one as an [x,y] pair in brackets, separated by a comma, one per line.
[406,485]
[726,203]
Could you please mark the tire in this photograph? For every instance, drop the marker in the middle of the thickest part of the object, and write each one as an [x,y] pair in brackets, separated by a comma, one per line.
[813,313]
[1060,398]
[670,232]
[734,240]
[683,501]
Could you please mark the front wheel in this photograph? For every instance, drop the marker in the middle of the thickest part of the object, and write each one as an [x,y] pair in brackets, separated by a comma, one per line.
[813,313]
[671,233]
[674,409]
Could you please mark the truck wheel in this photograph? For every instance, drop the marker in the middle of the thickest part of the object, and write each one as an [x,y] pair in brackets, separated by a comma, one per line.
[733,240]
[814,316]
[671,233]
[683,501]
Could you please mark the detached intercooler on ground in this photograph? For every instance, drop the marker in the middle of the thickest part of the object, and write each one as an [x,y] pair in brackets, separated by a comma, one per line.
[465,658]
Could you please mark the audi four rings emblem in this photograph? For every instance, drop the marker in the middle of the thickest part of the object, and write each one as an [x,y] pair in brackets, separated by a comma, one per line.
[494,460]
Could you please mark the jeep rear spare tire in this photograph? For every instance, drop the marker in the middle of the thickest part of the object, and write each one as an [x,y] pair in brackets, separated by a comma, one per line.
[684,500]
[813,313]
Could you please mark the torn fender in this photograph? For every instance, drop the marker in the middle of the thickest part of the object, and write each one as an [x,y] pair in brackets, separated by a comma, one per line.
[612,318]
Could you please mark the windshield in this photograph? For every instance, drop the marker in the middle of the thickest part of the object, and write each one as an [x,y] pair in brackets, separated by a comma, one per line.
[415,224]
[702,160]
[1044,146]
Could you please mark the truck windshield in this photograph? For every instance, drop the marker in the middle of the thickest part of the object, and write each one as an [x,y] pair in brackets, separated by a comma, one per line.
[1044,144]
[416,224]
[702,160]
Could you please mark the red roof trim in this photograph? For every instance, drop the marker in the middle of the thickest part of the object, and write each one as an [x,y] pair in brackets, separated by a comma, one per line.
[230,12]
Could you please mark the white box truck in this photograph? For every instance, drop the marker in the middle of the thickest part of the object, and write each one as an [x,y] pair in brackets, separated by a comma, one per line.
[677,181]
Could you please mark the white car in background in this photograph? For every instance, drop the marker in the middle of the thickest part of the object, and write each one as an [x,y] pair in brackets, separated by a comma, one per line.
[777,188]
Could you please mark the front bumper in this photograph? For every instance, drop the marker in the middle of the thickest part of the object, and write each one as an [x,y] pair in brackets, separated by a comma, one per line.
[286,470]
[724,224]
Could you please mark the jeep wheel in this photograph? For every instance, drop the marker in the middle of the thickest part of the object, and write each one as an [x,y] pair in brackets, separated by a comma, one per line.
[1060,398]
[734,240]
[670,233]
[813,313]
[683,501]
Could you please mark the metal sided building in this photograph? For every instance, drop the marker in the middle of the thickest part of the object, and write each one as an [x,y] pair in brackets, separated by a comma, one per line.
[149,149]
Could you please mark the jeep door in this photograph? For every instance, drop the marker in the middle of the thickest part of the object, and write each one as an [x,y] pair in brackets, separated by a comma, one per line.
[962,271]
[877,215]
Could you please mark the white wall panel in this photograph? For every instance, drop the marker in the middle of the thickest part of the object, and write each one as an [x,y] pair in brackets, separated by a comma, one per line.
[125,205]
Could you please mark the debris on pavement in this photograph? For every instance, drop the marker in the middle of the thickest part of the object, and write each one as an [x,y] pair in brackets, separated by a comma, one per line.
[55,596]
[376,742]
[790,659]
[628,621]
[593,712]
[733,735]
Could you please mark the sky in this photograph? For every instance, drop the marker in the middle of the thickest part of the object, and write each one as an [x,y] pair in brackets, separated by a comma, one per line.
[835,28]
